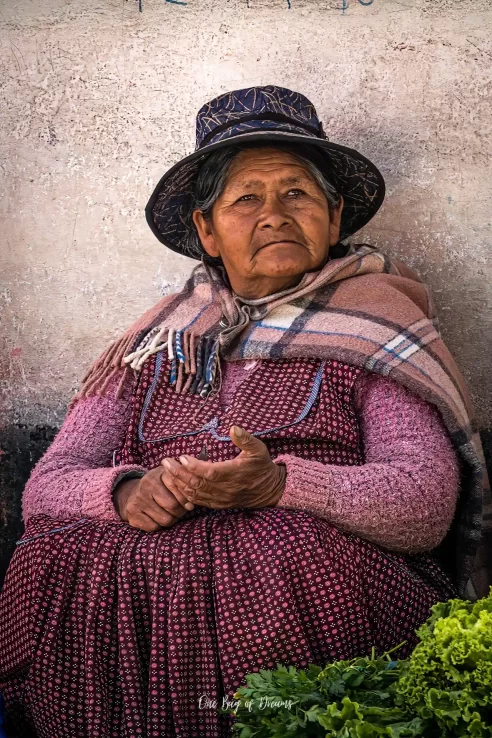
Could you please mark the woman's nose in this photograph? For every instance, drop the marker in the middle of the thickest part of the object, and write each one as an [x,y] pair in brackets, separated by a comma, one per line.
[274,214]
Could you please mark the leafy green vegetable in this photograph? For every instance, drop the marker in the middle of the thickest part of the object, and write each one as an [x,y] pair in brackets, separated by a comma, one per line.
[444,690]
[449,675]
[353,698]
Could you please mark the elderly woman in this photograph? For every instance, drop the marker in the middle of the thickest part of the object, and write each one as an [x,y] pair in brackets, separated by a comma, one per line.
[264,469]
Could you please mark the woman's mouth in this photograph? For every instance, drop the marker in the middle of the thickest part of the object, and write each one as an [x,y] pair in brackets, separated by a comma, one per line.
[274,243]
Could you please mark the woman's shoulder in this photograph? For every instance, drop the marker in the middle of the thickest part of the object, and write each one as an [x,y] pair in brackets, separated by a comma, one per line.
[384,395]
[117,390]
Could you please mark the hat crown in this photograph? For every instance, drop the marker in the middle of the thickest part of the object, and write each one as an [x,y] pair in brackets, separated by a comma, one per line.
[255,103]
[265,115]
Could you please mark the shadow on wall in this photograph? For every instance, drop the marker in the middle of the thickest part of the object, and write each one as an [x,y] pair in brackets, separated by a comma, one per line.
[21,448]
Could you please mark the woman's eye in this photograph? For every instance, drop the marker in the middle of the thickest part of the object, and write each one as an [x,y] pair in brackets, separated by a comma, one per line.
[296,191]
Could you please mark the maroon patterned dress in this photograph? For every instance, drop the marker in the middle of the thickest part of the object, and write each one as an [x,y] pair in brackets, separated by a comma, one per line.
[123,633]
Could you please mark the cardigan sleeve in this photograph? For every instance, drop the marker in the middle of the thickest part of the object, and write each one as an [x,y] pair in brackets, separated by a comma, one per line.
[404,496]
[74,478]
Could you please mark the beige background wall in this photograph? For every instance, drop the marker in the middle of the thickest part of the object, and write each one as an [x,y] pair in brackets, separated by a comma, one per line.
[97,100]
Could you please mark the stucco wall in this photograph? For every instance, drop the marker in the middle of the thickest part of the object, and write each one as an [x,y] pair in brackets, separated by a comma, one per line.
[98,99]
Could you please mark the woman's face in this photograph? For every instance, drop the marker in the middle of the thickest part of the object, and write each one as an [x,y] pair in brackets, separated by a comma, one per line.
[270,225]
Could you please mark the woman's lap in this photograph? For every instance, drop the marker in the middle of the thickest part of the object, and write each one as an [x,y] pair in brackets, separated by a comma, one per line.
[109,631]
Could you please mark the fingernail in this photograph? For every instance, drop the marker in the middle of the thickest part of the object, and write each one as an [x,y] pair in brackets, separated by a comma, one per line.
[189,505]
[237,431]
[166,464]
[184,460]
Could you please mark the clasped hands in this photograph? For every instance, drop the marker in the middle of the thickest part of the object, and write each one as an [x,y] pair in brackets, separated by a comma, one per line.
[163,495]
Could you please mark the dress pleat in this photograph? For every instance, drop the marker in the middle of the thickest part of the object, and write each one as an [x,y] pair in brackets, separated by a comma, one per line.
[115,632]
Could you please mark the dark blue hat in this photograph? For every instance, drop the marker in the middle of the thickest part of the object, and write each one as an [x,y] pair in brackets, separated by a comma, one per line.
[266,114]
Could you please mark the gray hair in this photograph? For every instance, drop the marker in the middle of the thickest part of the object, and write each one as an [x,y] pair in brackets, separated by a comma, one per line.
[212,176]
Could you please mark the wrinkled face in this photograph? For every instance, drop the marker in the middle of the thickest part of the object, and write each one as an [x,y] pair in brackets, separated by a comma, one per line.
[271,224]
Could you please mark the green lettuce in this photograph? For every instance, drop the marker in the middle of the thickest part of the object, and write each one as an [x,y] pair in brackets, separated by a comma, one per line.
[443,690]
[448,677]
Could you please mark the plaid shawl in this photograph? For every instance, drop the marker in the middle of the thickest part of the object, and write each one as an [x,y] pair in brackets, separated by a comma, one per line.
[362,309]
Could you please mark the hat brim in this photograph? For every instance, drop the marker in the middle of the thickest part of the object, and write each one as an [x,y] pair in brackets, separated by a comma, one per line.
[356,178]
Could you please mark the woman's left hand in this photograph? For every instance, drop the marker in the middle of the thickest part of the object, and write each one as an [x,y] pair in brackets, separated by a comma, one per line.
[252,479]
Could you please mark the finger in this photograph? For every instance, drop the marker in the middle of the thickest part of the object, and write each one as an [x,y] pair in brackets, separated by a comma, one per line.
[215,502]
[212,471]
[202,493]
[177,470]
[182,491]
[246,442]
[180,481]
[208,501]
[181,494]
[143,522]
[152,510]
[163,517]
[171,495]
[155,489]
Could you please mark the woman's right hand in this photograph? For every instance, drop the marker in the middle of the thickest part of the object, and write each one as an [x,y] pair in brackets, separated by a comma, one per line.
[146,503]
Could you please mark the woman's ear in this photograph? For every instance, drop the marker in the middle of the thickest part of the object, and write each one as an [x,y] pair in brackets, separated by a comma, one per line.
[205,233]
[335,221]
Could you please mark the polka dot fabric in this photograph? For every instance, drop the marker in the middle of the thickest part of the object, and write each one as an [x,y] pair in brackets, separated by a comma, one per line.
[114,632]
[117,632]
[269,402]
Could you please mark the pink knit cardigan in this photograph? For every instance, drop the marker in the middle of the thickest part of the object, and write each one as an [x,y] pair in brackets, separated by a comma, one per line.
[402,498]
